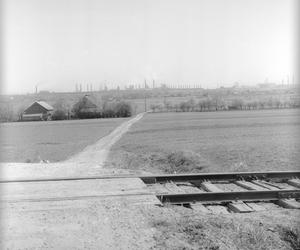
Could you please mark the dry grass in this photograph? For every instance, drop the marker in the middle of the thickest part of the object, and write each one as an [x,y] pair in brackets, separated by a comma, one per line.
[292,236]
[158,162]
[181,228]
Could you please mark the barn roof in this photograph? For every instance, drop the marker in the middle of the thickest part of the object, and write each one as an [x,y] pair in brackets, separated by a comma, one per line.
[42,104]
[45,105]
[85,103]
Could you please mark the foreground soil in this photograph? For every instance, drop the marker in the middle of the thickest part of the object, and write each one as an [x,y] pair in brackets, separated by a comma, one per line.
[75,224]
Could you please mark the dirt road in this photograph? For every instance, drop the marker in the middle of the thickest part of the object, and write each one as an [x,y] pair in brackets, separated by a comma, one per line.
[97,153]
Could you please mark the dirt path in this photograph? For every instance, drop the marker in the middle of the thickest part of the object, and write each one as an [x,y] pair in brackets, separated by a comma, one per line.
[98,152]
[89,162]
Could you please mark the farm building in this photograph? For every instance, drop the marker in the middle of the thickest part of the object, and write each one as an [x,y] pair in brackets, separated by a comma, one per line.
[85,108]
[38,111]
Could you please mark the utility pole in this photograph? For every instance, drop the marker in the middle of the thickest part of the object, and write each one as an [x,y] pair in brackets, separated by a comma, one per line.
[145,97]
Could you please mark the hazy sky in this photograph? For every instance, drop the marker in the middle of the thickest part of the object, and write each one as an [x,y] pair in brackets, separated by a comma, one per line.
[57,43]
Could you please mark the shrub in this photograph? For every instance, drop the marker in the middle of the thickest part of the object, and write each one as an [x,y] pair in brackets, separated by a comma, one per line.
[88,115]
[292,236]
[108,113]
[123,109]
[59,115]
[6,112]
[180,162]
[237,104]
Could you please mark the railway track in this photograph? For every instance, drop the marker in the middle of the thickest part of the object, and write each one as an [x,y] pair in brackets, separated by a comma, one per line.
[215,192]
[225,192]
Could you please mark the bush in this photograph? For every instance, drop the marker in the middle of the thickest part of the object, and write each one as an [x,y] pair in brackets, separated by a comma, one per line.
[123,109]
[292,236]
[59,115]
[108,113]
[237,104]
[6,112]
[88,115]
[179,162]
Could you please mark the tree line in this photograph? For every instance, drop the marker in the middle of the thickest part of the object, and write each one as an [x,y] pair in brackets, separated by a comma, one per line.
[108,110]
[64,111]
[218,104]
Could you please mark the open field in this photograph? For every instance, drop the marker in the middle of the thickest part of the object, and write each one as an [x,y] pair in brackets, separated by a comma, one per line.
[53,141]
[210,142]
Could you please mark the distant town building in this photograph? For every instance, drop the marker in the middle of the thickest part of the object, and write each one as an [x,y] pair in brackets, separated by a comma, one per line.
[267,85]
[38,111]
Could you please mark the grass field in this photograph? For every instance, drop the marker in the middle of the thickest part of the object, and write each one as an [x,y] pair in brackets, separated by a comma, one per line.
[53,140]
[212,141]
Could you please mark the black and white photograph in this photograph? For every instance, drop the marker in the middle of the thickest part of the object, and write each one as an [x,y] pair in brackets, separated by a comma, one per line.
[150,124]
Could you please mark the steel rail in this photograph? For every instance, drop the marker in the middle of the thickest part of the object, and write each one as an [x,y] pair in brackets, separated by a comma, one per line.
[150,179]
[229,176]
[267,195]
[82,178]
[78,197]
